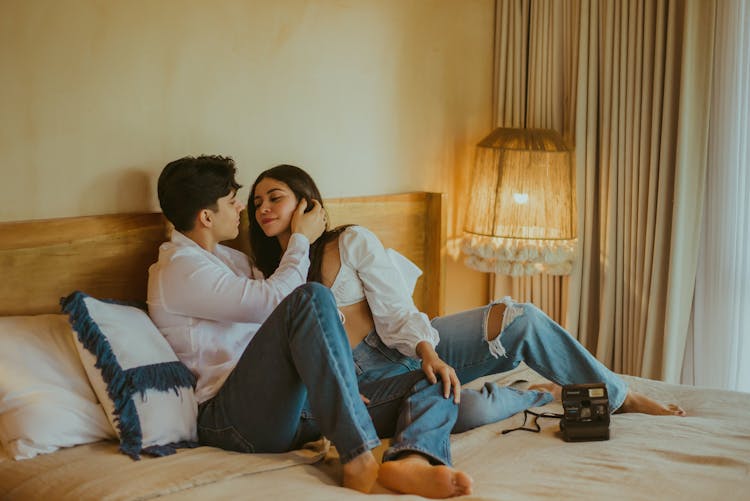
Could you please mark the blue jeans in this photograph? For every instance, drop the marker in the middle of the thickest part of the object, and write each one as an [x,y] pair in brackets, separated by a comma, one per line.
[528,335]
[301,354]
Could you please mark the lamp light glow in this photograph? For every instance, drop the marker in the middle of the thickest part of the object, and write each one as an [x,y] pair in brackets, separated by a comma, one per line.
[521,218]
[521,198]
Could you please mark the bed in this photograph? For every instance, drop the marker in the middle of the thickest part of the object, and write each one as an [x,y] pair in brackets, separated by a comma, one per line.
[703,456]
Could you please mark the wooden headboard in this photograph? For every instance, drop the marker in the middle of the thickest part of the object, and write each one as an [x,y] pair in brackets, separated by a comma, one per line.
[108,256]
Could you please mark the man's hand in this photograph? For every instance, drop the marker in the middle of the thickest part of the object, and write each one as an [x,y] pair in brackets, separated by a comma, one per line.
[311,223]
[434,367]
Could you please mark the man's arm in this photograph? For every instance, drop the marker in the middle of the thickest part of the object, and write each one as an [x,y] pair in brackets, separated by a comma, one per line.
[196,285]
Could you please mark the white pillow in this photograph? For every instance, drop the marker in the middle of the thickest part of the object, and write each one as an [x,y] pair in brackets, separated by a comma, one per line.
[146,392]
[46,401]
[409,271]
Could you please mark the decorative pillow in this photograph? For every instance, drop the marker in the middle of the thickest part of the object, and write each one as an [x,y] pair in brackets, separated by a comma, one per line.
[146,392]
[409,271]
[46,401]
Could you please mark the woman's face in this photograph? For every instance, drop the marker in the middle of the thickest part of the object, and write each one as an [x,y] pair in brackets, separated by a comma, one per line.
[274,204]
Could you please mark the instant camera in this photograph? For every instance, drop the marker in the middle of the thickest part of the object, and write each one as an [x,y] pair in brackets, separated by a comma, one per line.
[585,412]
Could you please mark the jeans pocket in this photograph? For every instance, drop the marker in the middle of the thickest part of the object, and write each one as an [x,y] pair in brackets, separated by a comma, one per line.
[374,360]
[227,438]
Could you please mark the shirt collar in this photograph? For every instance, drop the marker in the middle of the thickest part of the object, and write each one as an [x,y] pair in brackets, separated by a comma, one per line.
[180,239]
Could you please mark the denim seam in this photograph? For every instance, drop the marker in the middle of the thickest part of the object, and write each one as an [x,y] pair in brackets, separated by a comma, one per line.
[469,366]
[368,443]
[396,449]
[222,430]
[386,400]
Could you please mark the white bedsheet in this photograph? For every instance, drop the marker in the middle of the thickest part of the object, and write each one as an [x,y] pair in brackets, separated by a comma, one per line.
[703,456]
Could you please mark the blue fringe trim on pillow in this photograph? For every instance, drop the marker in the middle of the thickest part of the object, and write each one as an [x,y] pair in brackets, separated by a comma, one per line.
[123,384]
[164,376]
[168,449]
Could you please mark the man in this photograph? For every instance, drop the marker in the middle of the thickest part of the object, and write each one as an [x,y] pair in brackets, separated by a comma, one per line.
[263,349]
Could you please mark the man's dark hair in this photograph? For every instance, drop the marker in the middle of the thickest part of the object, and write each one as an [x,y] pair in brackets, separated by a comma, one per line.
[190,184]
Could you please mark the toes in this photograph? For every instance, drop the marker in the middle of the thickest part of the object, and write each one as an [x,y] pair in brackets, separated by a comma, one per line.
[677,410]
[462,484]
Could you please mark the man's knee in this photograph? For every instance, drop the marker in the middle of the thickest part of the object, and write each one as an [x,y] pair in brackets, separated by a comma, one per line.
[313,296]
[313,290]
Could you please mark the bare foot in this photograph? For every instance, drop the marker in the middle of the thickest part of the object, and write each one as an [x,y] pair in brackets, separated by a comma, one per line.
[413,474]
[361,472]
[553,388]
[637,402]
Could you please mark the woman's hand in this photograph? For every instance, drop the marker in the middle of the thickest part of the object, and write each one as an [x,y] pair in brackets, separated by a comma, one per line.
[434,367]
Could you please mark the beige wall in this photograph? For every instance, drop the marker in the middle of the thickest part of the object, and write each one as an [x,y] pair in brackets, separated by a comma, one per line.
[370,96]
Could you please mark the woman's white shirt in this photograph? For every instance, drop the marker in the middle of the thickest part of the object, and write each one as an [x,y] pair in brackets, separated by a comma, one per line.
[210,305]
[368,272]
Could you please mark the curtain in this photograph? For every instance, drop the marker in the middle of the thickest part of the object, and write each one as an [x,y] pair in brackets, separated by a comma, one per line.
[625,80]
[718,354]
[533,77]
[640,147]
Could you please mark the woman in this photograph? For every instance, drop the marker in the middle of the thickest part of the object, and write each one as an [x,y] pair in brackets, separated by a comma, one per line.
[390,336]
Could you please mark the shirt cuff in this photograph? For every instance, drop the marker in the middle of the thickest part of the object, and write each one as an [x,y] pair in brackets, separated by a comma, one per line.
[425,340]
[299,240]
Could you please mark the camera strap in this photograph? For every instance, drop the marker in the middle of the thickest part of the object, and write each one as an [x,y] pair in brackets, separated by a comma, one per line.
[535,415]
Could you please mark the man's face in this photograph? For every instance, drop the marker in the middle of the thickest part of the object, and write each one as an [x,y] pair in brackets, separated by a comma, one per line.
[226,217]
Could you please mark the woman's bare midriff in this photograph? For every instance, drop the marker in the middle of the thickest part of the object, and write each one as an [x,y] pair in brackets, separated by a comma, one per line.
[357,317]
[358,321]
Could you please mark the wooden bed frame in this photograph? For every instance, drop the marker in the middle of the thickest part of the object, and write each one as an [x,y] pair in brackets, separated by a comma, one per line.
[108,256]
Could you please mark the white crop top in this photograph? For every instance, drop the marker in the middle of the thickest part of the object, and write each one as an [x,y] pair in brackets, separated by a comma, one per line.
[386,279]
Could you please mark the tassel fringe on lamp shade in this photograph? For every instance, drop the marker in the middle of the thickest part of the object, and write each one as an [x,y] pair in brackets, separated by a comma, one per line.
[521,218]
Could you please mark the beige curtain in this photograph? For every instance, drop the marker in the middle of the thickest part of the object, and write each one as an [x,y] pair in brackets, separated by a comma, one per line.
[533,78]
[640,139]
[622,79]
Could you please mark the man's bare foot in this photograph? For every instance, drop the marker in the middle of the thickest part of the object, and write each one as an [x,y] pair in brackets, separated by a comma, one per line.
[553,388]
[413,474]
[637,402]
[361,472]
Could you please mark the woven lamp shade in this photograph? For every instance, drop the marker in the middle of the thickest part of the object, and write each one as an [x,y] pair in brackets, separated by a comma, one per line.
[521,218]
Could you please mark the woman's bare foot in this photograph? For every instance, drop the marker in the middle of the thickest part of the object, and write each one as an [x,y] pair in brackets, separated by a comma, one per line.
[634,402]
[413,474]
[553,388]
[637,402]
[361,472]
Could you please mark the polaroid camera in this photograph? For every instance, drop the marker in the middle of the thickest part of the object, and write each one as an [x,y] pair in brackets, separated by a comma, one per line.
[585,412]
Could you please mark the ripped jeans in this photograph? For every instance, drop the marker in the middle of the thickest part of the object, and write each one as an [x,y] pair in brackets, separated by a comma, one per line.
[295,381]
[528,335]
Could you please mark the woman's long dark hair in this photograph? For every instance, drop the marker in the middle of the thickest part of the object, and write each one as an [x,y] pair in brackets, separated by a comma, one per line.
[265,252]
